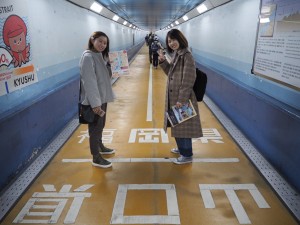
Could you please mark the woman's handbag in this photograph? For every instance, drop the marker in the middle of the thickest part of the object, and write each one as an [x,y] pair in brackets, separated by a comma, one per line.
[200,84]
[86,114]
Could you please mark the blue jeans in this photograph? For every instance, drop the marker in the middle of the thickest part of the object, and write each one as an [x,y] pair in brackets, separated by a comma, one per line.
[185,146]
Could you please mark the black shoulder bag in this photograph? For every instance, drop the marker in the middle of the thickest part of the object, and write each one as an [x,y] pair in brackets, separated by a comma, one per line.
[200,84]
[85,112]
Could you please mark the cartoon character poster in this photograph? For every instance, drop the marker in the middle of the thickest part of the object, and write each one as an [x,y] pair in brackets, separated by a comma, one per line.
[16,68]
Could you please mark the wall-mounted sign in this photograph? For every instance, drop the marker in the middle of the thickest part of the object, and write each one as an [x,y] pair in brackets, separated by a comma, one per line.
[16,67]
[277,53]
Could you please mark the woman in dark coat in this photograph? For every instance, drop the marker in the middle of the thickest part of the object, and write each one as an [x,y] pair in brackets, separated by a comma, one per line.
[181,72]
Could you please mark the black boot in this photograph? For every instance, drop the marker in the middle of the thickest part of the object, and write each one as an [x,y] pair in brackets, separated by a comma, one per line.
[105,151]
[100,162]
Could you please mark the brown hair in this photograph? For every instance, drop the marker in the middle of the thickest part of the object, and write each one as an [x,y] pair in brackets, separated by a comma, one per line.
[95,35]
[177,35]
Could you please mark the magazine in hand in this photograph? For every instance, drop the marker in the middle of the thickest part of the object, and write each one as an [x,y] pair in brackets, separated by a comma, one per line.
[119,63]
[179,115]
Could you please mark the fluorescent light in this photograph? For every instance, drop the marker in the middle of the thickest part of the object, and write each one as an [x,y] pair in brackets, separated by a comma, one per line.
[130,25]
[176,22]
[266,9]
[125,22]
[185,18]
[115,18]
[96,7]
[264,20]
[172,25]
[201,8]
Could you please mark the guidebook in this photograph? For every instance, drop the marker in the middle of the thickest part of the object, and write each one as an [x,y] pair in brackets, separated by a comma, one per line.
[179,115]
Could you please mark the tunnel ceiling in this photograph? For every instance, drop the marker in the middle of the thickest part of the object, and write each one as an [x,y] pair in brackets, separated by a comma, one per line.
[150,14]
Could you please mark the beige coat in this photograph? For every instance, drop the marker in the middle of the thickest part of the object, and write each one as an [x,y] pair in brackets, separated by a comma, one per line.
[181,74]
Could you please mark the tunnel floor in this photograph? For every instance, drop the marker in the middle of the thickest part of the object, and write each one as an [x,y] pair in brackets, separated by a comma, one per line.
[143,186]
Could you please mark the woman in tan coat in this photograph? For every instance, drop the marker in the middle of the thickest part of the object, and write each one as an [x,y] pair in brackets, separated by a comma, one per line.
[181,72]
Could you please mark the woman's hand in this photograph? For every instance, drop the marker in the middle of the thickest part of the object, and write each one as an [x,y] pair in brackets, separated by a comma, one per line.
[161,56]
[178,104]
[97,110]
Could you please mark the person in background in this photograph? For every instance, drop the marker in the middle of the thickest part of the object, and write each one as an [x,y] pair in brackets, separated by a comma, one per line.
[155,46]
[147,38]
[181,72]
[150,40]
[96,91]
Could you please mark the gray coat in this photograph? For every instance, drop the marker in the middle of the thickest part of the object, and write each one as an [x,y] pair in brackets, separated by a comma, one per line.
[181,74]
[95,78]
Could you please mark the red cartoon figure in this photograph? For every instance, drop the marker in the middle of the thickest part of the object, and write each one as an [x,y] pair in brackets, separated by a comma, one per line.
[14,36]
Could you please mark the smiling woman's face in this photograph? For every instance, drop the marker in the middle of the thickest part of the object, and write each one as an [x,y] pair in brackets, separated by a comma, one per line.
[100,43]
[173,44]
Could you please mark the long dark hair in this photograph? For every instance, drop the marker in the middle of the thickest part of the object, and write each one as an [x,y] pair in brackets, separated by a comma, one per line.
[95,35]
[178,35]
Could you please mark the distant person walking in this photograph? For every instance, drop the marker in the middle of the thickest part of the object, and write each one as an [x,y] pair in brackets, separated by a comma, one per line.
[147,39]
[155,46]
[150,40]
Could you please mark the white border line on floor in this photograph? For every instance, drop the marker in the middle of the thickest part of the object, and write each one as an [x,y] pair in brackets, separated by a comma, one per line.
[287,194]
[163,160]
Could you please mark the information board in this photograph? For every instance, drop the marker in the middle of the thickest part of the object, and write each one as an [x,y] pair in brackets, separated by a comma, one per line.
[277,53]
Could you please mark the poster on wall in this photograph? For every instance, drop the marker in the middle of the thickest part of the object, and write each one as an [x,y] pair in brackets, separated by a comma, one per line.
[16,67]
[277,53]
[119,63]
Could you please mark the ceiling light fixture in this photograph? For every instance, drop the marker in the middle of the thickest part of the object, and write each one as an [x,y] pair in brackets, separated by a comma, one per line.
[96,7]
[125,22]
[176,22]
[115,18]
[201,8]
[185,18]
[264,20]
[265,10]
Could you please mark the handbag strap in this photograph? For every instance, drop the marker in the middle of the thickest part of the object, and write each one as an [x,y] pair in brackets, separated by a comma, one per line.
[80,80]
[79,91]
